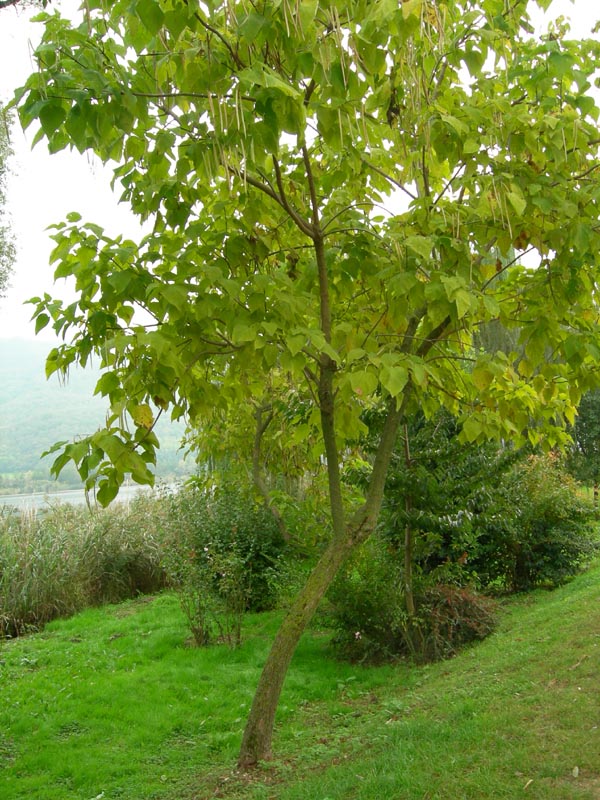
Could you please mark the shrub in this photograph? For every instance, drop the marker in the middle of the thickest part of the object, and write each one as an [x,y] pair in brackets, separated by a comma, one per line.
[366,606]
[370,620]
[223,552]
[541,534]
[449,617]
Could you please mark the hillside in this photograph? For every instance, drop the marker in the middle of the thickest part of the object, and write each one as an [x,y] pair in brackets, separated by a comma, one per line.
[35,413]
[111,703]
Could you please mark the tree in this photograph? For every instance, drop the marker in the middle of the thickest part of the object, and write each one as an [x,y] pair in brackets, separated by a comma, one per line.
[584,457]
[334,189]
[7,245]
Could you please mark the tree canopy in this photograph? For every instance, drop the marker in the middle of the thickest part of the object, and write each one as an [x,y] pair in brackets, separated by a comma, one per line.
[341,195]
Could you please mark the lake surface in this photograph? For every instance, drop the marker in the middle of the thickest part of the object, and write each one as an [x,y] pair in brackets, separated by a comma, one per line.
[44,500]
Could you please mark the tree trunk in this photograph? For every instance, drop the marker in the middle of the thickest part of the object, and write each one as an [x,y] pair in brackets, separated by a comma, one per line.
[256,742]
[409,597]
[258,734]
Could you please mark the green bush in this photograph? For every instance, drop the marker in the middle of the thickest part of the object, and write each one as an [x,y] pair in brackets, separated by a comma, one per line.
[370,621]
[542,533]
[223,552]
[366,610]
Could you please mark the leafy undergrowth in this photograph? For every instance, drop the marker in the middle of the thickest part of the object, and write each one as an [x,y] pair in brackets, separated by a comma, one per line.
[112,704]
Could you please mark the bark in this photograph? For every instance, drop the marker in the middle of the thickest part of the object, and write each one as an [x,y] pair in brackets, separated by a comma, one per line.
[258,734]
[409,597]
[256,743]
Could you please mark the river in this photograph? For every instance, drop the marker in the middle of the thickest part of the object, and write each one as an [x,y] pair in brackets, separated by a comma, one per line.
[45,500]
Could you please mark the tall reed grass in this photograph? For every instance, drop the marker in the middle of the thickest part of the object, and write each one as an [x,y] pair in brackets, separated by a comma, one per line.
[69,558]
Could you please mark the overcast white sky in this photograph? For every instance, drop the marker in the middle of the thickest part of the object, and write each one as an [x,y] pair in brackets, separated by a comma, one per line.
[44,188]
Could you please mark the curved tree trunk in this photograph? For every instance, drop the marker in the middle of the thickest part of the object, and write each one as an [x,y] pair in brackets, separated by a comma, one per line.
[256,743]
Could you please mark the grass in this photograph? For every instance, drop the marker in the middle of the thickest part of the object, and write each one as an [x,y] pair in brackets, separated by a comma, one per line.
[112,704]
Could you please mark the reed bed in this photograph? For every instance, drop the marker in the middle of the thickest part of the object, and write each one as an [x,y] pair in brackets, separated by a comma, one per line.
[55,564]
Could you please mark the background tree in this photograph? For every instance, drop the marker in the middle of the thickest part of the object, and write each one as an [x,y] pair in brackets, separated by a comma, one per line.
[584,458]
[330,185]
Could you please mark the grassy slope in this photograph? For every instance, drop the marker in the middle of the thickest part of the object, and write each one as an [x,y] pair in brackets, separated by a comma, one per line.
[112,702]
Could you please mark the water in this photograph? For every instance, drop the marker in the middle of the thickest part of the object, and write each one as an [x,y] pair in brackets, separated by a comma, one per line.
[45,500]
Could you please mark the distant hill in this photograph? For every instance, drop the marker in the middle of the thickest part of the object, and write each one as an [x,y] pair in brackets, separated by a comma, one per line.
[35,413]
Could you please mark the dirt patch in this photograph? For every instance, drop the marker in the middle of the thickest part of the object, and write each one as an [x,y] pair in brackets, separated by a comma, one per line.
[585,786]
[131,608]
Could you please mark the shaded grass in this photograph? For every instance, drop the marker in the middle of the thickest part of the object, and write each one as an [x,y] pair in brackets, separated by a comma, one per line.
[113,701]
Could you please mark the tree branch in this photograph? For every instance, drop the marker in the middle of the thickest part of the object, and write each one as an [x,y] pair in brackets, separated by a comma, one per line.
[284,202]
[280,200]
[236,59]
[389,178]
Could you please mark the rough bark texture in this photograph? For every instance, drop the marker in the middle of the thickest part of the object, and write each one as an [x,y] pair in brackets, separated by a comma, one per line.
[409,597]
[257,739]
[256,743]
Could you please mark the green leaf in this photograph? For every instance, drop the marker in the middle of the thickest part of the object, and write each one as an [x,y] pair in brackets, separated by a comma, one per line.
[471,429]
[516,199]
[463,301]
[295,343]
[51,117]
[262,75]
[394,379]
[41,321]
[363,383]
[421,245]
[482,377]
[108,489]
[243,333]
[150,14]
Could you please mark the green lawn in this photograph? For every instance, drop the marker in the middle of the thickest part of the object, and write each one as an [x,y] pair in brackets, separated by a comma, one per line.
[113,704]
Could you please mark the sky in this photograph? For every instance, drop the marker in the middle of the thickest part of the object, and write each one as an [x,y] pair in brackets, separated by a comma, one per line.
[44,188]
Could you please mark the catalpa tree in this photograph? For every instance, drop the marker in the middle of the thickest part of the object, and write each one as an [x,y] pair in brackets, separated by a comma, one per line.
[340,195]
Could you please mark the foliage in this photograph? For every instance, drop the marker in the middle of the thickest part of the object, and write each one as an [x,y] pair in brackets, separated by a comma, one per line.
[478,516]
[36,412]
[542,532]
[444,489]
[367,610]
[268,147]
[195,136]
[584,457]
[222,552]
[369,613]
[70,558]
[484,514]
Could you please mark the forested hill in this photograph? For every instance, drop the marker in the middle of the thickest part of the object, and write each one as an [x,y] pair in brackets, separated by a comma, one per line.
[35,413]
